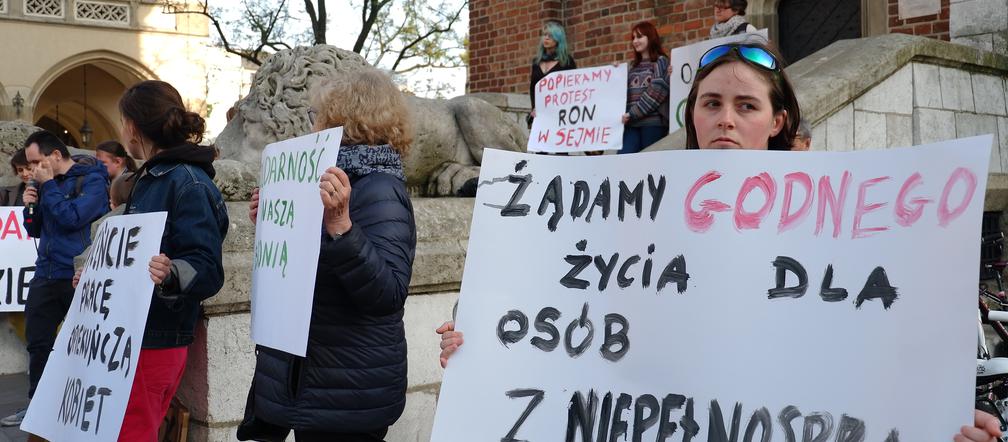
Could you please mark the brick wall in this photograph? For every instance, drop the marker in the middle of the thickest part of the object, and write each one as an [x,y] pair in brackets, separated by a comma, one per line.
[934,26]
[504,34]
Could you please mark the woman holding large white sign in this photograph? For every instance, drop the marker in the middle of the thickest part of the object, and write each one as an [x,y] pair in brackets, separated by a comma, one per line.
[177,178]
[351,384]
[742,99]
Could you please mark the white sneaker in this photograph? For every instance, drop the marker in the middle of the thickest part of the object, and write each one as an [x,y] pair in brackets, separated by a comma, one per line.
[14,420]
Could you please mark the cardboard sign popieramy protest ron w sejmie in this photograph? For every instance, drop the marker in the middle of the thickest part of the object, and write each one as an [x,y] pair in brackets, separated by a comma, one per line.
[86,384]
[287,239]
[695,295]
[579,110]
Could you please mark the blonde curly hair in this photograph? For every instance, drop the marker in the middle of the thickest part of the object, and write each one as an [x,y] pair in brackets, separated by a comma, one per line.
[368,105]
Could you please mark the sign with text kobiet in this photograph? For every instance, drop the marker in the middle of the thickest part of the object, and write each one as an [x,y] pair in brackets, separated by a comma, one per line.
[17,260]
[579,110]
[720,296]
[288,237]
[86,384]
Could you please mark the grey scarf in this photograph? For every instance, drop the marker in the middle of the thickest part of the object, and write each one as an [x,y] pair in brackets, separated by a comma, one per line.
[727,28]
[361,160]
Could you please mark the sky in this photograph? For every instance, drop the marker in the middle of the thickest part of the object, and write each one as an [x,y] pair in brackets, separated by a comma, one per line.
[344,25]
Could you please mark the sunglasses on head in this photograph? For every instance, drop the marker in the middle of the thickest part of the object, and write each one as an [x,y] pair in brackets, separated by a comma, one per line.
[754,54]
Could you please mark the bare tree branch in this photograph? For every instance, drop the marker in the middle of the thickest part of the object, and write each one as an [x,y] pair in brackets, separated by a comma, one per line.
[318,26]
[436,30]
[404,36]
[172,8]
[369,14]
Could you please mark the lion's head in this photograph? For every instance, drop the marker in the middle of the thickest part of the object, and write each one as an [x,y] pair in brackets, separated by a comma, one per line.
[276,107]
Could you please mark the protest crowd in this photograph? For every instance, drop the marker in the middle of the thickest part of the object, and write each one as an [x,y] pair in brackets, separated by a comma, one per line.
[350,383]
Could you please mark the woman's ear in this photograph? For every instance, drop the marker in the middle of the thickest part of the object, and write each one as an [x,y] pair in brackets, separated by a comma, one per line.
[129,132]
[777,123]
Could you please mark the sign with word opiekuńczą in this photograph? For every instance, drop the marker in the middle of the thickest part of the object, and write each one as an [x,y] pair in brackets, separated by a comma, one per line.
[685,62]
[17,260]
[580,110]
[720,295]
[288,237]
[86,384]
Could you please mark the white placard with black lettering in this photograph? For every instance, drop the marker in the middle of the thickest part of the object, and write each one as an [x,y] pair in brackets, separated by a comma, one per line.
[288,236]
[685,62]
[659,293]
[17,260]
[87,381]
[580,110]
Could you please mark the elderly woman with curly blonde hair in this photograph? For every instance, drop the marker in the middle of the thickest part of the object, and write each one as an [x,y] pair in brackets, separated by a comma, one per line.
[351,384]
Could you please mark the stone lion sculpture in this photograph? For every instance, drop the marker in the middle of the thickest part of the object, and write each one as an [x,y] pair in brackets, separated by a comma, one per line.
[449,139]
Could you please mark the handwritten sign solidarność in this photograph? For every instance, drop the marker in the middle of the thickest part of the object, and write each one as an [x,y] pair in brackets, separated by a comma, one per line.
[288,236]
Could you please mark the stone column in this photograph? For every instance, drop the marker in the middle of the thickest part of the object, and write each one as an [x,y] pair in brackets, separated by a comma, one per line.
[982,24]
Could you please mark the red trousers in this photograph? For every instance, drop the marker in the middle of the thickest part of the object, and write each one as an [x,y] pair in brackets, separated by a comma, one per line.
[158,374]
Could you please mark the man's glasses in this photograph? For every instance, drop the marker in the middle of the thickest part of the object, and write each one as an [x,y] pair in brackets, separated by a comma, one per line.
[753,54]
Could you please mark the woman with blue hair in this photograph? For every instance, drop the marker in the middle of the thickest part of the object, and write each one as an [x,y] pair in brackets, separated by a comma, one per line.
[554,55]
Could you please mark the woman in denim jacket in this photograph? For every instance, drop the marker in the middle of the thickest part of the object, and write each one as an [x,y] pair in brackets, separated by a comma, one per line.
[177,178]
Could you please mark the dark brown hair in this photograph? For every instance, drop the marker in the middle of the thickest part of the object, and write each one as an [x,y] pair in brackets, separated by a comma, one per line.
[782,97]
[157,111]
[121,187]
[115,149]
[47,143]
[654,47]
[19,159]
[739,6]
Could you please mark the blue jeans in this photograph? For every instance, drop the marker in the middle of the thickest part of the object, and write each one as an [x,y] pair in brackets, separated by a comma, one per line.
[637,138]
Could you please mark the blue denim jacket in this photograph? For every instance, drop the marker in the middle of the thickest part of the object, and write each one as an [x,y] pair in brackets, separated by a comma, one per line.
[194,232]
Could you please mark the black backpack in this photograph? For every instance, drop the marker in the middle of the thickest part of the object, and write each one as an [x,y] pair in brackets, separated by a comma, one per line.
[84,160]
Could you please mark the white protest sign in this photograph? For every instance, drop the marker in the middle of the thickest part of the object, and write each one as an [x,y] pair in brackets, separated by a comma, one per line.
[287,239]
[685,62]
[17,260]
[689,295]
[87,381]
[580,110]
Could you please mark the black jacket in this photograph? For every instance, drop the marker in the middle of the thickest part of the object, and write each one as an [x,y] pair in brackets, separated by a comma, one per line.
[12,195]
[353,378]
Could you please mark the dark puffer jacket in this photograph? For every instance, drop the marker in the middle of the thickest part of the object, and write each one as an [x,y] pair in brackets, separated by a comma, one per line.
[353,378]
